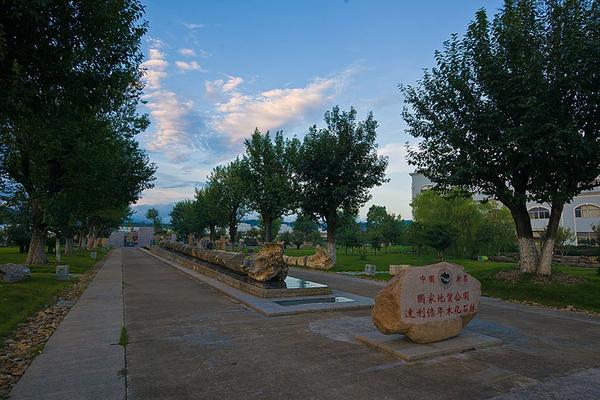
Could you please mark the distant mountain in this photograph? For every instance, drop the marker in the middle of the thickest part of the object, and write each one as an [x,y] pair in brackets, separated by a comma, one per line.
[163,211]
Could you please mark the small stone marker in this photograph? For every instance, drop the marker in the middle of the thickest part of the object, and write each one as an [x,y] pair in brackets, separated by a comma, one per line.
[427,304]
[62,272]
[395,269]
[370,269]
[93,255]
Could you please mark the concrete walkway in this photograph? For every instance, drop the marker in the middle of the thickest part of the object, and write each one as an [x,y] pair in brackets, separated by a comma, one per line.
[82,359]
[189,341]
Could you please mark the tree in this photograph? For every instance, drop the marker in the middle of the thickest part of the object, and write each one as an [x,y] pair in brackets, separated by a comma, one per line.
[269,176]
[454,208]
[302,228]
[440,236]
[337,166]
[69,78]
[286,237]
[348,233]
[187,218]
[232,188]
[153,215]
[275,226]
[208,205]
[386,227]
[496,232]
[511,111]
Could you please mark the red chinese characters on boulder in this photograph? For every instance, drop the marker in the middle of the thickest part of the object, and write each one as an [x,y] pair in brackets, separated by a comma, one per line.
[428,304]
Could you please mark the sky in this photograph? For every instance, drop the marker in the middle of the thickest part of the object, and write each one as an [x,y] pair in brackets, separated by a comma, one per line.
[215,70]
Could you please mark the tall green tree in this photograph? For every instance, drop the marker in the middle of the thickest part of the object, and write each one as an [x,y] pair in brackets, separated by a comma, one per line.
[69,78]
[209,208]
[153,216]
[349,234]
[230,183]
[187,218]
[271,188]
[386,227]
[512,111]
[337,166]
[303,226]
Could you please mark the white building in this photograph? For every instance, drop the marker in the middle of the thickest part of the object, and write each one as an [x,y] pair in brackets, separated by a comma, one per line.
[578,216]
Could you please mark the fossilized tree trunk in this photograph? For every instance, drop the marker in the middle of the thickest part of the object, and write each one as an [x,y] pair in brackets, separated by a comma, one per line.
[265,265]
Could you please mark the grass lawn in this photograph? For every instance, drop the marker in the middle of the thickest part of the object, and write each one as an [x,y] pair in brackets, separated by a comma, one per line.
[583,295]
[22,299]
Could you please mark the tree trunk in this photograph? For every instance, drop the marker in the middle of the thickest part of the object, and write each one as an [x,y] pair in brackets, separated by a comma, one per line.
[37,253]
[213,232]
[68,245]
[547,252]
[267,226]
[528,254]
[331,243]
[91,238]
[232,232]
[530,259]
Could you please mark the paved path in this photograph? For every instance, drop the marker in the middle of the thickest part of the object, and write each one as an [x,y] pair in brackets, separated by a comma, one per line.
[82,359]
[189,341]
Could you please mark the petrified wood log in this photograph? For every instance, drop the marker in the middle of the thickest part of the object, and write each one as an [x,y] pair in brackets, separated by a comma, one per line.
[320,260]
[265,265]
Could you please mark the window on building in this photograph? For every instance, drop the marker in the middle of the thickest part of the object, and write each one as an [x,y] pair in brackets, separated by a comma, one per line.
[539,213]
[587,211]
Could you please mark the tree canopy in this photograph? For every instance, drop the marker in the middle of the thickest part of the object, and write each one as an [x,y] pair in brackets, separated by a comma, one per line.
[511,111]
[337,166]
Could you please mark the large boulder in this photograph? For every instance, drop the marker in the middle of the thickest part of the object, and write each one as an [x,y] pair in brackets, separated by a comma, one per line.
[10,273]
[427,304]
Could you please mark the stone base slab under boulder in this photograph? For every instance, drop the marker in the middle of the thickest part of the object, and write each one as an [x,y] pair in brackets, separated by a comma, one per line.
[403,348]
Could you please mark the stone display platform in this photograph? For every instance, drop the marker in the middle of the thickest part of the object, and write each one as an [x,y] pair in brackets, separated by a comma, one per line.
[401,347]
[291,287]
[274,307]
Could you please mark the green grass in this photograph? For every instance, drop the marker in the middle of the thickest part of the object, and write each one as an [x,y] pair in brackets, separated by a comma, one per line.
[584,295]
[123,337]
[22,299]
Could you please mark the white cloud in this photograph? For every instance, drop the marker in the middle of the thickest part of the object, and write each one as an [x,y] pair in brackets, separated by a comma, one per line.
[190,25]
[187,52]
[216,89]
[185,66]
[169,114]
[155,67]
[396,153]
[239,114]
[170,117]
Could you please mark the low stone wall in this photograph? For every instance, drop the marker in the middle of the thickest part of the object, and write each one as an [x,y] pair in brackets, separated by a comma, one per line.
[319,260]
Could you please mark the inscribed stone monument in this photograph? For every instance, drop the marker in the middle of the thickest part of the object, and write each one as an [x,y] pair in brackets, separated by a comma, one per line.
[427,304]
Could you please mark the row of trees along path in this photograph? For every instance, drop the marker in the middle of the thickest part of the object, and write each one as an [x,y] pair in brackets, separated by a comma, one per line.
[330,170]
[70,84]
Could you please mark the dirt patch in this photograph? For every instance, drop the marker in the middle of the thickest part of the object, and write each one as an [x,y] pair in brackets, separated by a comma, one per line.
[514,276]
[30,336]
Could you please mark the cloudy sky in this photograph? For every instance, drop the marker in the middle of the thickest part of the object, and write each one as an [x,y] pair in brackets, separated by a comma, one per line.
[218,69]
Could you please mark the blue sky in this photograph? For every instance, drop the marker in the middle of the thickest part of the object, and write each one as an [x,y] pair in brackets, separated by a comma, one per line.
[218,69]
